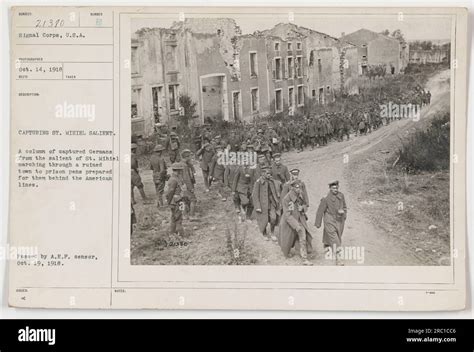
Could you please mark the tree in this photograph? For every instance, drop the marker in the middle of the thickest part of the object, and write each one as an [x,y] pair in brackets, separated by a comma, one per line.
[397,34]
[187,112]
[187,109]
[385,32]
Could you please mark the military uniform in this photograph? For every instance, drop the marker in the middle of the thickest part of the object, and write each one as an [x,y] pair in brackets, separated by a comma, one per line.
[189,182]
[266,204]
[312,132]
[135,176]
[294,230]
[280,172]
[206,153]
[287,186]
[197,138]
[175,199]
[159,168]
[333,211]
[173,144]
[216,172]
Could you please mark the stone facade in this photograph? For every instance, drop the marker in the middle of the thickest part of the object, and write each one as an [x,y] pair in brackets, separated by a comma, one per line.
[235,77]
[375,49]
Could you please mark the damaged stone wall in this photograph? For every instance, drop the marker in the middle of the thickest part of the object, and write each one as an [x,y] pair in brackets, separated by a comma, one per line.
[226,31]
[349,67]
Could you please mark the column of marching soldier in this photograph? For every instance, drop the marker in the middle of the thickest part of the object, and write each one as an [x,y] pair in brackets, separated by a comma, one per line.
[265,191]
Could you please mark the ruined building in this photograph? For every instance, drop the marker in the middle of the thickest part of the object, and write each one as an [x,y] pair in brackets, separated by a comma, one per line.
[236,77]
[375,49]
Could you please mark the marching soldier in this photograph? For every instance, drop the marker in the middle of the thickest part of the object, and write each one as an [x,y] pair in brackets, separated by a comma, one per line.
[294,229]
[299,140]
[175,198]
[279,171]
[206,153]
[262,163]
[242,187]
[216,173]
[294,178]
[312,132]
[234,142]
[197,138]
[159,168]
[267,152]
[135,176]
[346,127]
[206,136]
[333,211]
[266,203]
[362,127]
[292,133]
[172,144]
[229,175]
[259,141]
[274,140]
[189,182]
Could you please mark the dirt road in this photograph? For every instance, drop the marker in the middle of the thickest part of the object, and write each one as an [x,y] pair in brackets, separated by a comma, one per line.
[318,167]
[323,165]
[333,162]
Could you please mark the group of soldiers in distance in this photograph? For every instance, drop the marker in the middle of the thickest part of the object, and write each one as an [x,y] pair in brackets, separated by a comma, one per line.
[265,190]
[313,130]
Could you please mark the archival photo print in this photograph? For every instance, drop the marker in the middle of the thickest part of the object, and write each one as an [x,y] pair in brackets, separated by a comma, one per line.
[314,141]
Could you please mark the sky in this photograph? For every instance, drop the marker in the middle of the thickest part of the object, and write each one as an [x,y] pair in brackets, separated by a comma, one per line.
[413,27]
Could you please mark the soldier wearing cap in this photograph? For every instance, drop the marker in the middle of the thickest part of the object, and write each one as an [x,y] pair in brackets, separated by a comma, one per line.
[312,132]
[284,133]
[230,170]
[135,175]
[242,186]
[266,203]
[333,211]
[294,230]
[197,138]
[274,140]
[159,168]
[292,133]
[216,172]
[279,171]
[267,152]
[299,140]
[295,178]
[346,127]
[206,136]
[262,163]
[234,142]
[176,198]
[258,141]
[206,154]
[189,181]
[172,145]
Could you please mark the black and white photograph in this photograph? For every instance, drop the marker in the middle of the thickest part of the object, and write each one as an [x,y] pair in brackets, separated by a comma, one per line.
[317,141]
[243,159]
